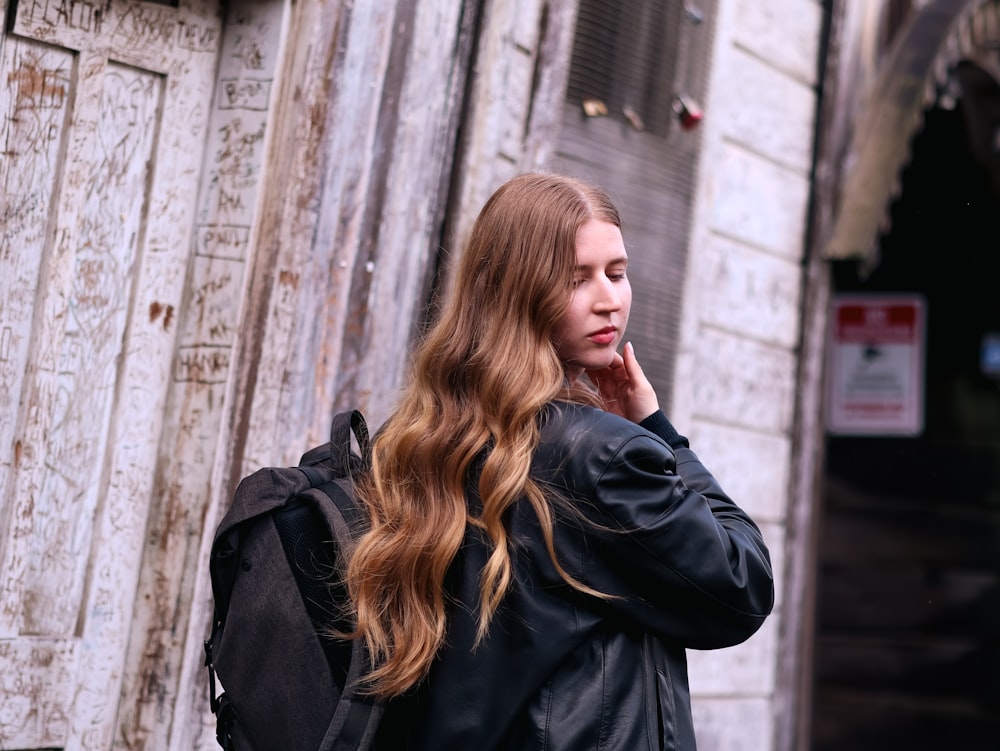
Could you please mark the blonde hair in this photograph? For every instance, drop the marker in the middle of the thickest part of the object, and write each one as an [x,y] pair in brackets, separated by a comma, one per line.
[480,378]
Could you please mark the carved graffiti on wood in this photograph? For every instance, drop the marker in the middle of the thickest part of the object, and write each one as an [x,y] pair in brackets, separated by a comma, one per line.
[136,31]
[78,395]
[98,176]
[208,322]
[36,84]
[35,685]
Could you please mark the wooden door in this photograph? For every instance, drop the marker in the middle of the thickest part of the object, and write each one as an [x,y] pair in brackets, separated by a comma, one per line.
[103,113]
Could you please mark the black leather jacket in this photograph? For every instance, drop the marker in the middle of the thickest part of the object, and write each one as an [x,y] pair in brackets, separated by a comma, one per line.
[681,567]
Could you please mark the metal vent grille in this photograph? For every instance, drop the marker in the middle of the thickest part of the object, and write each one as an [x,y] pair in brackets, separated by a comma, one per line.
[638,54]
[624,56]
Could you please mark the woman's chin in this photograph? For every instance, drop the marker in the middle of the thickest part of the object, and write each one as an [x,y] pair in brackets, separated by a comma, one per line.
[602,360]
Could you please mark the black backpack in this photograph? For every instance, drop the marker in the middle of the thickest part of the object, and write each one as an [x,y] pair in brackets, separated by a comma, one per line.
[275,569]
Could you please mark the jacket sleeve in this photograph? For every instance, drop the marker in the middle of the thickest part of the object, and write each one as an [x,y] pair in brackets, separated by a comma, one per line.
[675,555]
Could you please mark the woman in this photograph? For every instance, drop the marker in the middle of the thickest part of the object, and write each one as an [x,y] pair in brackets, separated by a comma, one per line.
[542,551]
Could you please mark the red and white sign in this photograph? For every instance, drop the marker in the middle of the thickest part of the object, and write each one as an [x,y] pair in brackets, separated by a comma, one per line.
[875,367]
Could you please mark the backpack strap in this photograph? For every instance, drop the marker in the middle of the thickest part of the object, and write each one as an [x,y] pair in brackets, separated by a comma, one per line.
[356,718]
[346,423]
[337,454]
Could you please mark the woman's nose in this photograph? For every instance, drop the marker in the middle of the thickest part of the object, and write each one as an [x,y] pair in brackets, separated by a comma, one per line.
[608,297]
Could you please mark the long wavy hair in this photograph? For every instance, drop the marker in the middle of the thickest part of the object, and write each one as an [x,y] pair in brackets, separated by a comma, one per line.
[480,377]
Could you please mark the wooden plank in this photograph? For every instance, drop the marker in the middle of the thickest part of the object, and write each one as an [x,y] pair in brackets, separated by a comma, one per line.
[556,33]
[69,25]
[92,325]
[879,720]
[36,82]
[48,424]
[145,371]
[417,170]
[910,598]
[917,665]
[507,114]
[131,33]
[44,512]
[322,241]
[879,537]
[224,229]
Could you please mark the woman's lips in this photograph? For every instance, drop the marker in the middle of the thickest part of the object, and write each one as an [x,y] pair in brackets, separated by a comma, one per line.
[604,336]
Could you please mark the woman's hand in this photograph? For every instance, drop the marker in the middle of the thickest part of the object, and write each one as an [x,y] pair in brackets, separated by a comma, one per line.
[624,387]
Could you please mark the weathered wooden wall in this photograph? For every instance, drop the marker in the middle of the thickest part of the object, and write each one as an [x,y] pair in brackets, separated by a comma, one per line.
[223,242]
[103,111]
[205,252]
[366,128]
[366,176]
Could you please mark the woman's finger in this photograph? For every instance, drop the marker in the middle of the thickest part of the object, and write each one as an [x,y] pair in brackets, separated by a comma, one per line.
[631,364]
[642,397]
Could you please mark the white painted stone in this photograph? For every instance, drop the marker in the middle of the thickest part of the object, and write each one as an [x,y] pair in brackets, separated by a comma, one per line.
[752,292]
[736,365]
[740,382]
[733,724]
[752,467]
[759,202]
[774,537]
[768,110]
[784,32]
[682,405]
[723,681]
[746,669]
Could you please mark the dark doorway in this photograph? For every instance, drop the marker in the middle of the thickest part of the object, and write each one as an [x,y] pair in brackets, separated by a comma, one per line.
[907,651]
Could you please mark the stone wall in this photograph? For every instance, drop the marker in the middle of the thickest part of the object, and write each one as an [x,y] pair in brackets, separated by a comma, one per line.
[736,376]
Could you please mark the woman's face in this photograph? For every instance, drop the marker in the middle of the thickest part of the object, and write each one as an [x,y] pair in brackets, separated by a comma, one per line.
[590,332]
